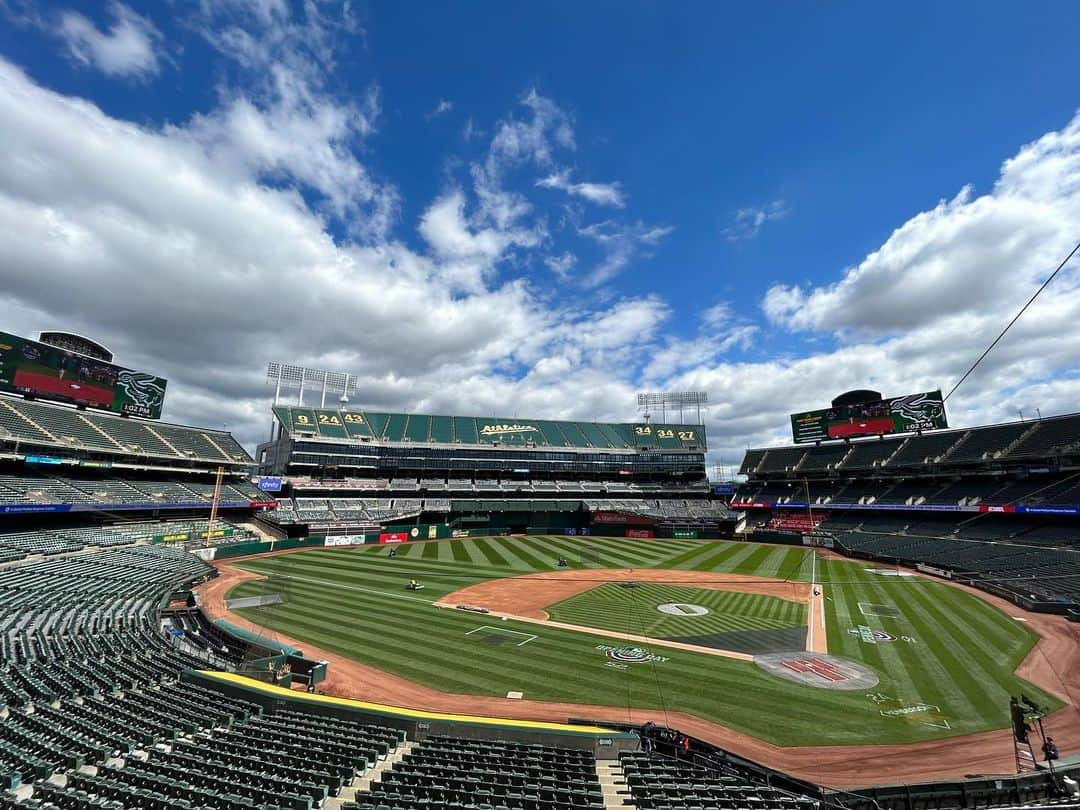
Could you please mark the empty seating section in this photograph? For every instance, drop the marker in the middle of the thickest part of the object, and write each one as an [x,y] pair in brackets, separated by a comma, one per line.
[196,444]
[442,429]
[1050,436]
[1046,574]
[988,442]
[824,457]
[780,459]
[16,426]
[135,437]
[452,772]
[751,461]
[65,425]
[88,678]
[67,539]
[45,489]
[56,425]
[925,449]
[417,428]
[661,783]
[869,454]
[472,430]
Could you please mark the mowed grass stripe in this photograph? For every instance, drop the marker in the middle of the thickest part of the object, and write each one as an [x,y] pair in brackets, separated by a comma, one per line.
[690,558]
[428,645]
[442,640]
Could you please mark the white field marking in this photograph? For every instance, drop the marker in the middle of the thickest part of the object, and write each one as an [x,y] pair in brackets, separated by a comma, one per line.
[326,584]
[1019,619]
[813,576]
[504,630]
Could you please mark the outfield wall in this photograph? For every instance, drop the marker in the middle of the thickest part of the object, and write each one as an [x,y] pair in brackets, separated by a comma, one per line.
[604,743]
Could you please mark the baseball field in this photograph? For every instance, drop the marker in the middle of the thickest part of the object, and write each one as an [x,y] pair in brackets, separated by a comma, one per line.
[664,624]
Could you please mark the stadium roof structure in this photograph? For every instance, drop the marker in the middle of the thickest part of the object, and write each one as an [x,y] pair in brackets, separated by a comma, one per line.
[376,427]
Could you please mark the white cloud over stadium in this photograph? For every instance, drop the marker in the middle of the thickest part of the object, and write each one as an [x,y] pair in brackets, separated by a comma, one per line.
[200,250]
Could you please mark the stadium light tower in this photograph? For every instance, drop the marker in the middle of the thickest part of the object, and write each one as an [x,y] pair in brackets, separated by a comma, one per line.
[301,378]
[681,399]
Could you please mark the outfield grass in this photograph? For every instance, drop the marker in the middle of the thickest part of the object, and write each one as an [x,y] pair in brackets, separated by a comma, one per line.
[961,655]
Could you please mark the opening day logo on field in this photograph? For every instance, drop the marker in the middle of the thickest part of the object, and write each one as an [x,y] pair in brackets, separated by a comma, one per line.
[620,657]
[870,635]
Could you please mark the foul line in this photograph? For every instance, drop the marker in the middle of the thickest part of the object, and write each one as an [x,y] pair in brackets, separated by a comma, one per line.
[531,637]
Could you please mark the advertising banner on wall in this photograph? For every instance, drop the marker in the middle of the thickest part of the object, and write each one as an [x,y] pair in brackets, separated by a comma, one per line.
[393,537]
[270,483]
[640,533]
[344,540]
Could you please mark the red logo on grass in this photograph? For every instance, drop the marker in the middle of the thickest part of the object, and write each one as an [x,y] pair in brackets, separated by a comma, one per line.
[816,666]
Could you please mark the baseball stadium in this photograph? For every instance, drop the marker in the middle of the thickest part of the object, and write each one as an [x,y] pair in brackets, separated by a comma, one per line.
[411,610]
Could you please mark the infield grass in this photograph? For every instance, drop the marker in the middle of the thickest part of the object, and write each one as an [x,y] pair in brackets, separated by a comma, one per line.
[951,649]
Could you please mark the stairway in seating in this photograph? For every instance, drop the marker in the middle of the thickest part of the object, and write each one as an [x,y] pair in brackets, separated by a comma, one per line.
[165,441]
[613,783]
[28,419]
[97,429]
[363,784]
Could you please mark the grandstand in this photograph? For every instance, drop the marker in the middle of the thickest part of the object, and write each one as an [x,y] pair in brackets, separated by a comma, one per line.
[355,471]
[939,499]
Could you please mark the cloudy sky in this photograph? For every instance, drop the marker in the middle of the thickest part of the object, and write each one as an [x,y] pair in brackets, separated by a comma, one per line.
[541,209]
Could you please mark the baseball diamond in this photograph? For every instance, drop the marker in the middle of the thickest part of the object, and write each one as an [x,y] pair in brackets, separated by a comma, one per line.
[962,655]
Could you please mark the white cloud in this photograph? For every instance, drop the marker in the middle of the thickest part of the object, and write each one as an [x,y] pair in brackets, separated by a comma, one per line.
[969,254]
[128,49]
[285,124]
[201,250]
[598,193]
[561,265]
[136,236]
[748,222]
[444,106]
[621,244]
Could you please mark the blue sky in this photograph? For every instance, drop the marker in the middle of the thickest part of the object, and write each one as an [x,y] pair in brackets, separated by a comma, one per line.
[542,208]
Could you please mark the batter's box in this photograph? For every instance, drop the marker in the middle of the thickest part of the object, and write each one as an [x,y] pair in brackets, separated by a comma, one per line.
[870,609]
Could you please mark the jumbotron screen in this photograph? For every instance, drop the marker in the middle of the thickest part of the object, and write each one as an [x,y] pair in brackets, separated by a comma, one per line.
[29,367]
[913,412]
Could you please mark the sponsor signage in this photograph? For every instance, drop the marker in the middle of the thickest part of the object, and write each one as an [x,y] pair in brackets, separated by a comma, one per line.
[270,483]
[619,517]
[21,508]
[262,504]
[640,533]
[684,534]
[29,367]
[905,414]
[344,540]
[393,537]
[723,489]
[45,460]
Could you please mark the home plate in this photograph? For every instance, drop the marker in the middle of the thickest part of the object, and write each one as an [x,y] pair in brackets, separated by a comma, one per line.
[1019,619]
[515,695]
